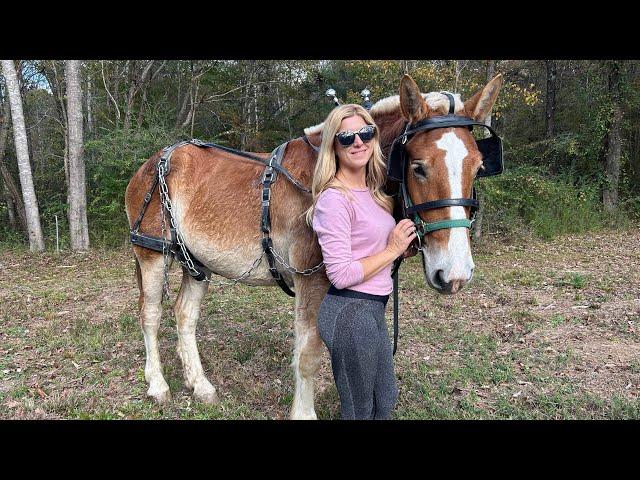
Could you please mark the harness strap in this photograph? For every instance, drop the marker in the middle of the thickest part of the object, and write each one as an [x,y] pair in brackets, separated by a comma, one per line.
[452,102]
[152,243]
[277,167]
[269,176]
[448,202]
[145,204]
[168,151]
[306,139]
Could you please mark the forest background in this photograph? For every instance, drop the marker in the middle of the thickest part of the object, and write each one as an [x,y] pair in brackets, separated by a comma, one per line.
[571,132]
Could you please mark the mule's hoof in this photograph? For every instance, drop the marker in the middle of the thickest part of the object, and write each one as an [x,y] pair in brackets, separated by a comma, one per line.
[204,392]
[160,392]
[301,415]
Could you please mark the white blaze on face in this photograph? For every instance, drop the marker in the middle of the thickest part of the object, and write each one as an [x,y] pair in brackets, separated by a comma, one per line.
[456,261]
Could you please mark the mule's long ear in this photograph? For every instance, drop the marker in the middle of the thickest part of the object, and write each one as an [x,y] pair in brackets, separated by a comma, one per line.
[479,106]
[412,103]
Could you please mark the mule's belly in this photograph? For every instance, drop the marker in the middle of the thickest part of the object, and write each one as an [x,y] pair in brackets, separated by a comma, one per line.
[231,263]
[230,249]
[221,225]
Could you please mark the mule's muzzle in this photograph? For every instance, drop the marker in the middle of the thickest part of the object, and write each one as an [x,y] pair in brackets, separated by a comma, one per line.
[448,287]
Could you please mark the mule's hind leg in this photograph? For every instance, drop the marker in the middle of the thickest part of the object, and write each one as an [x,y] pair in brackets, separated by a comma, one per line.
[307,354]
[187,310]
[150,279]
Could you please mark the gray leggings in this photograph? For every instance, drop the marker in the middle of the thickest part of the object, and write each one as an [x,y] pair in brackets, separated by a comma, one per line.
[355,333]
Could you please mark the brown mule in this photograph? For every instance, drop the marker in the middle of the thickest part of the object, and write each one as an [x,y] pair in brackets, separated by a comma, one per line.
[216,201]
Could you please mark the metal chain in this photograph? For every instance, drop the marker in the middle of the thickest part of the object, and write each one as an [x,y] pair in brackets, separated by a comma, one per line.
[166,202]
[234,281]
[188,262]
[307,271]
[165,250]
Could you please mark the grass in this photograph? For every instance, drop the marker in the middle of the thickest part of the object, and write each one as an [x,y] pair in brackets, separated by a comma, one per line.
[513,345]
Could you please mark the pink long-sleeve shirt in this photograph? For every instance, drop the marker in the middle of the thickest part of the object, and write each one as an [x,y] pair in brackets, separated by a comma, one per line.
[348,231]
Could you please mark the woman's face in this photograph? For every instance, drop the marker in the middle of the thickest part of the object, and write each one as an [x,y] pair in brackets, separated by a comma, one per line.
[357,155]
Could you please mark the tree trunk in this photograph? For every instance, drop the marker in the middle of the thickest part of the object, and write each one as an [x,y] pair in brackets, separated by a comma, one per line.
[78,227]
[491,71]
[89,111]
[11,211]
[10,189]
[131,94]
[614,140]
[550,103]
[57,89]
[14,194]
[36,240]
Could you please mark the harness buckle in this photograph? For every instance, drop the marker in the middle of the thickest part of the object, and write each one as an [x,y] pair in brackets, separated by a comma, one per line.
[268,175]
[266,197]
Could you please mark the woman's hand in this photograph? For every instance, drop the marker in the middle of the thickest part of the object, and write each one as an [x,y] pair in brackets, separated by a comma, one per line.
[401,237]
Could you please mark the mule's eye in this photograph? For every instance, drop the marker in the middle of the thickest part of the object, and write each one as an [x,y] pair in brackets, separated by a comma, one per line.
[418,170]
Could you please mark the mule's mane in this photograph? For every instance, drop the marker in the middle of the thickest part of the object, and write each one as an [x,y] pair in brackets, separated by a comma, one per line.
[437,102]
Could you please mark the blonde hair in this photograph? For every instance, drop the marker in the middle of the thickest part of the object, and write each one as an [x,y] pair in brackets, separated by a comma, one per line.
[324,174]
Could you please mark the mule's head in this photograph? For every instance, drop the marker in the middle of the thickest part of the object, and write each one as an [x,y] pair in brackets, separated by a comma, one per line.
[442,164]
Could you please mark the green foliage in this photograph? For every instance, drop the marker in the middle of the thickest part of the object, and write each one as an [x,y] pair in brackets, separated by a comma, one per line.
[528,200]
[552,185]
[111,162]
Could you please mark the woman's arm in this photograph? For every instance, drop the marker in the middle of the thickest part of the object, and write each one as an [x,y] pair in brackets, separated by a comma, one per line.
[332,218]
[399,240]
[332,224]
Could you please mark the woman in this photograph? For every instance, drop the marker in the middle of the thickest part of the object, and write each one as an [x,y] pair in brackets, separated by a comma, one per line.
[359,238]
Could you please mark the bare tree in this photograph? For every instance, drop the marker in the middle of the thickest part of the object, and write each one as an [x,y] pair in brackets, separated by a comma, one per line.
[614,138]
[11,191]
[34,230]
[550,103]
[78,226]
[89,106]
[57,89]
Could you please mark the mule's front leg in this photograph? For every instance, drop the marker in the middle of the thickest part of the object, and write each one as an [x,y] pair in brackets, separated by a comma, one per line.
[307,353]
[187,310]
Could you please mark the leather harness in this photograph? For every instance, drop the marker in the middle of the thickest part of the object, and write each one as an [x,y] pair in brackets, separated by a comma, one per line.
[272,168]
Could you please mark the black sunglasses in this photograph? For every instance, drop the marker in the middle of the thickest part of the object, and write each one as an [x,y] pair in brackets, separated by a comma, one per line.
[347,137]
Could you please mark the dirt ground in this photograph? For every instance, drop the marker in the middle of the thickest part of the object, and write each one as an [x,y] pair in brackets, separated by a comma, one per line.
[546,330]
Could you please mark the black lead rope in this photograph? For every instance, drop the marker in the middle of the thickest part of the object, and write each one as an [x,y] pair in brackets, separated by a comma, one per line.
[396,289]
[395,312]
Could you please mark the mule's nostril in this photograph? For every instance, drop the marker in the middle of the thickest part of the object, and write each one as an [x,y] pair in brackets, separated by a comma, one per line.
[438,279]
